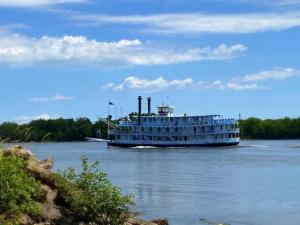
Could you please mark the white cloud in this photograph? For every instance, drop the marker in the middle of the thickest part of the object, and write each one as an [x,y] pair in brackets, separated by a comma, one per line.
[277,74]
[108,86]
[19,50]
[35,3]
[231,85]
[195,23]
[5,29]
[243,83]
[160,83]
[241,87]
[146,85]
[56,97]
[26,119]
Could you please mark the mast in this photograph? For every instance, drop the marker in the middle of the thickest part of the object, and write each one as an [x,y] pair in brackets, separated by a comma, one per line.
[108,120]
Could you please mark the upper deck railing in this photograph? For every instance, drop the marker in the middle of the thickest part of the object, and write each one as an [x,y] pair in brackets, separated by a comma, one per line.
[177,121]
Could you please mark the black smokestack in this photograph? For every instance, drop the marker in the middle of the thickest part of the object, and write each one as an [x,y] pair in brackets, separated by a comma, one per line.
[140,110]
[149,106]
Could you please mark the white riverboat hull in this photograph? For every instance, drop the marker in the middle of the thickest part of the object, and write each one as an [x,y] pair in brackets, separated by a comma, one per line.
[232,142]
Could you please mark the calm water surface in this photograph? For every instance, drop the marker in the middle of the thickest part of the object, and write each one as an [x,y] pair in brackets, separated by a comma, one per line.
[256,183]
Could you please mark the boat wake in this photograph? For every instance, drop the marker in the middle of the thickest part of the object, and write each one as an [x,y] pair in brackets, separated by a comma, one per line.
[262,146]
[143,147]
[270,146]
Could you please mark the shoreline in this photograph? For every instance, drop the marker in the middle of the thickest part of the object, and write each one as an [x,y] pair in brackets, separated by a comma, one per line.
[53,208]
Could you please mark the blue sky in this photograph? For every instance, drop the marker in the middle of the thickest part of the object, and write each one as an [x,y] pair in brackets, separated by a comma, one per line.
[68,58]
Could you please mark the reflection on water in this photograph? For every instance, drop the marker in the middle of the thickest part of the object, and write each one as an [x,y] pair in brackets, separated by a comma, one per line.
[255,183]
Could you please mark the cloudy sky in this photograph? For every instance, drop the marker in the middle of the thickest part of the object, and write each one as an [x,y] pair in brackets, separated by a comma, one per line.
[70,57]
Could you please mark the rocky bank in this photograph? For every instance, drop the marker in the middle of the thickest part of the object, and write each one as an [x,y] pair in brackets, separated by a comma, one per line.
[54,212]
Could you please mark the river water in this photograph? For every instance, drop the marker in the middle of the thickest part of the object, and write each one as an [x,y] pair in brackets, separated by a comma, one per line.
[255,183]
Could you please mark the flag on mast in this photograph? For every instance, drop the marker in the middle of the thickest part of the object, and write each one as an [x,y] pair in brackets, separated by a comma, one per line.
[110,103]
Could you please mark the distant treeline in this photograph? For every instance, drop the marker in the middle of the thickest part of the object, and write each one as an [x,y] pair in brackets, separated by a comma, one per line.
[52,130]
[286,128]
[77,129]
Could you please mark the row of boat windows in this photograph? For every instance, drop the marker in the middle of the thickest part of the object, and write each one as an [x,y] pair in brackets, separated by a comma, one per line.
[176,138]
[194,129]
[175,119]
[181,119]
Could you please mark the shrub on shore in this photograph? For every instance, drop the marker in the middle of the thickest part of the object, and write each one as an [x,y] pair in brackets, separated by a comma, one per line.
[18,191]
[92,197]
[30,190]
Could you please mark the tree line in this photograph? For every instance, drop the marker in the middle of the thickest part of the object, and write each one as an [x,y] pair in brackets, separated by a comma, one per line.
[285,128]
[52,130]
[77,129]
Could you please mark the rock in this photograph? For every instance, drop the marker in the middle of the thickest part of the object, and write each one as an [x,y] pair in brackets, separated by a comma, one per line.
[43,223]
[46,164]
[41,170]
[50,194]
[136,221]
[20,152]
[160,221]
[25,220]
[50,212]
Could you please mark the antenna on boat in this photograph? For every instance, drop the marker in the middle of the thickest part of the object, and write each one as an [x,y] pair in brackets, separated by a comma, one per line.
[109,104]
